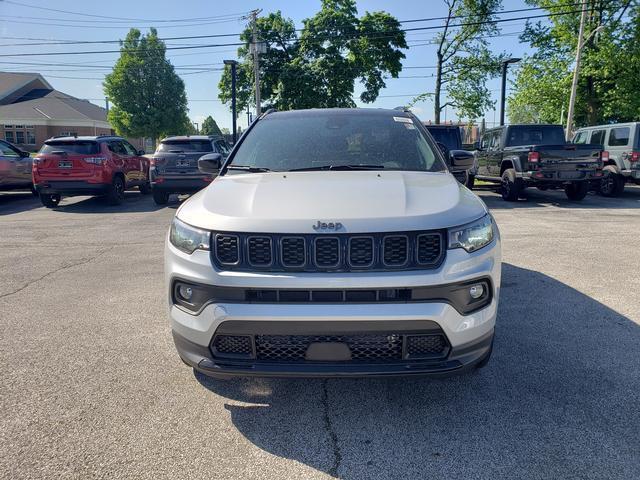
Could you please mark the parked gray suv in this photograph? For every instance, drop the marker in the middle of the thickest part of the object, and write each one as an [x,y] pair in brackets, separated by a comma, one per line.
[15,167]
[174,165]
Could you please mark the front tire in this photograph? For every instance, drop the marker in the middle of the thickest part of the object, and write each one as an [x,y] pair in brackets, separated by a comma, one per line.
[116,191]
[612,183]
[50,200]
[161,198]
[576,191]
[511,185]
[145,188]
[471,181]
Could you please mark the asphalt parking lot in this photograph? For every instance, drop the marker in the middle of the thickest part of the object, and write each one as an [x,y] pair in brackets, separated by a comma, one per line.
[91,386]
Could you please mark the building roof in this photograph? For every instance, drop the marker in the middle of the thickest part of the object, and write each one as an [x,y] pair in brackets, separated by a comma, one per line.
[29,97]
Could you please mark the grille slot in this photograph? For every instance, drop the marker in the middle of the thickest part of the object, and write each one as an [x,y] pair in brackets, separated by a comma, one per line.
[233,345]
[259,251]
[426,346]
[361,251]
[429,248]
[327,252]
[292,252]
[228,249]
[395,250]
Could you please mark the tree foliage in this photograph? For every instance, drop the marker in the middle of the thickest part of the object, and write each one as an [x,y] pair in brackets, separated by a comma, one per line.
[148,97]
[608,83]
[464,62]
[319,66]
[210,127]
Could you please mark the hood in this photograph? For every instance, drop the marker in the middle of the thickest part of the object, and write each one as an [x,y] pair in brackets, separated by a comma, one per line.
[362,201]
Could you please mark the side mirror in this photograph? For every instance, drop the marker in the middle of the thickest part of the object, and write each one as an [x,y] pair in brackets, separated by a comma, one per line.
[477,145]
[210,163]
[141,152]
[460,160]
[24,154]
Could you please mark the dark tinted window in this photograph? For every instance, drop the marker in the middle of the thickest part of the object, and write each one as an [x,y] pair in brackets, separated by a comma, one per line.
[597,137]
[581,137]
[450,137]
[117,147]
[186,146]
[222,147]
[535,135]
[316,139]
[619,137]
[80,147]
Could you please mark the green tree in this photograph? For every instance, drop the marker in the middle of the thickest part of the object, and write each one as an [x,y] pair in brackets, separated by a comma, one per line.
[210,127]
[148,97]
[319,67]
[464,62]
[608,82]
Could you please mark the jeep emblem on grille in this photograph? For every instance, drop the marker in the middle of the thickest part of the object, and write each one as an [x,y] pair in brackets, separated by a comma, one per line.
[327,226]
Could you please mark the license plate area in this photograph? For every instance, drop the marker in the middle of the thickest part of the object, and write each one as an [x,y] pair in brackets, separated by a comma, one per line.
[571,175]
[62,164]
[183,163]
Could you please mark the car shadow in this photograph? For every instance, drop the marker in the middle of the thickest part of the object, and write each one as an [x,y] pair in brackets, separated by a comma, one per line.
[134,202]
[559,399]
[17,201]
[535,198]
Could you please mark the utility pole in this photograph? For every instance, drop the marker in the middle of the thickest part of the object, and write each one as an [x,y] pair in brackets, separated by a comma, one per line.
[255,49]
[233,64]
[576,70]
[106,103]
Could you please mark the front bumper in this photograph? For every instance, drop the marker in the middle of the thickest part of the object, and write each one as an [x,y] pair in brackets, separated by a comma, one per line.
[72,187]
[468,337]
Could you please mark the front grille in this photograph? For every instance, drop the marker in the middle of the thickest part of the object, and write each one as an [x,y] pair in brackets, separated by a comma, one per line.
[323,253]
[364,348]
[259,251]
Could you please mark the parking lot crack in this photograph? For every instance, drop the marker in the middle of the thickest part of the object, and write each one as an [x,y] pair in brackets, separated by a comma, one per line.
[329,428]
[52,272]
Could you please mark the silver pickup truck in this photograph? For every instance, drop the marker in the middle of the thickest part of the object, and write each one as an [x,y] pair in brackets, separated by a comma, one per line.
[15,167]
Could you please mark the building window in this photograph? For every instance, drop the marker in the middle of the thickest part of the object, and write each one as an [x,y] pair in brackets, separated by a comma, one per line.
[8,126]
[31,138]
[19,127]
[29,127]
[20,138]
[8,136]
[68,134]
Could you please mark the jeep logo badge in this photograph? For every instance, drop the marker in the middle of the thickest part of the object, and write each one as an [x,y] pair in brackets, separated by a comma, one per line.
[327,226]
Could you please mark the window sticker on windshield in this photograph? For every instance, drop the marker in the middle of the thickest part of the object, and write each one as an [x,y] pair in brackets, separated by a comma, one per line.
[402,119]
[409,126]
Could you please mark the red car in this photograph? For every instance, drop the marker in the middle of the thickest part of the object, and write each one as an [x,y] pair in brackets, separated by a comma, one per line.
[102,165]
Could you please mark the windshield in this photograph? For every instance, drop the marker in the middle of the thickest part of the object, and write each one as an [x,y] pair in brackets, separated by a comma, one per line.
[449,137]
[185,146]
[78,147]
[317,139]
[535,135]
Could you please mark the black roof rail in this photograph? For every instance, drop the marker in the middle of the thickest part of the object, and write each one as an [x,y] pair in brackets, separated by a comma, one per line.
[403,109]
[268,111]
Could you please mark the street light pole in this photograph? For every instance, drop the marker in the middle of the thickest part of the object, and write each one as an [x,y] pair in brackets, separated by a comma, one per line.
[233,64]
[503,88]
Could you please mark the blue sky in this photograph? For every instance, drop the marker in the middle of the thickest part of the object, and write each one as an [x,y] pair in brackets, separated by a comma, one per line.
[19,21]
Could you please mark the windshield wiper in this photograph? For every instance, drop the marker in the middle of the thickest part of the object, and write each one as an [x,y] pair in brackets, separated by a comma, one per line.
[248,168]
[338,167]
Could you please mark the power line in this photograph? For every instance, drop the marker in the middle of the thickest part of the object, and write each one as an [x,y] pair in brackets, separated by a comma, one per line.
[37,7]
[433,27]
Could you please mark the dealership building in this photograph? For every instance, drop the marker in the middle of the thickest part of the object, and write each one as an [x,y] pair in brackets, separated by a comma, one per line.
[32,111]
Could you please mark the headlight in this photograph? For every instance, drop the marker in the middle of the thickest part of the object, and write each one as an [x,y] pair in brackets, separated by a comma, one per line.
[187,238]
[472,236]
